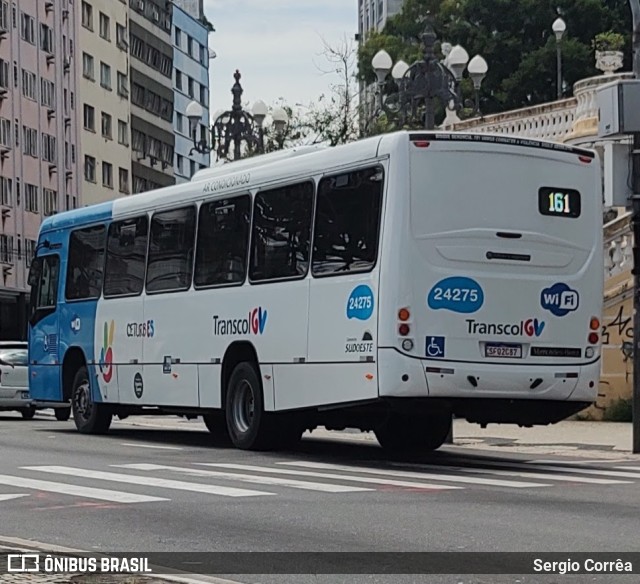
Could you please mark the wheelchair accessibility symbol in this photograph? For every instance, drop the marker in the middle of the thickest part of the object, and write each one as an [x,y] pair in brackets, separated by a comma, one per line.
[435,347]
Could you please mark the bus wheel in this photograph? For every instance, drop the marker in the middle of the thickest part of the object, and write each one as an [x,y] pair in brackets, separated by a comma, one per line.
[62,414]
[89,417]
[28,413]
[217,426]
[247,422]
[405,434]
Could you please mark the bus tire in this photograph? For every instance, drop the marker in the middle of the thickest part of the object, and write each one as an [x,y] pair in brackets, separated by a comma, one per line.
[248,424]
[413,435]
[89,416]
[217,426]
[62,414]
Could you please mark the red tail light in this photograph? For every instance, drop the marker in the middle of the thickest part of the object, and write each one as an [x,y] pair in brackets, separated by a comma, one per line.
[594,324]
[593,338]
[404,329]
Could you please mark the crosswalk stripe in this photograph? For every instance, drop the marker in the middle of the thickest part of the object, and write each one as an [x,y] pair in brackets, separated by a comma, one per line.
[307,485]
[370,480]
[628,467]
[9,497]
[417,475]
[147,481]
[529,471]
[85,492]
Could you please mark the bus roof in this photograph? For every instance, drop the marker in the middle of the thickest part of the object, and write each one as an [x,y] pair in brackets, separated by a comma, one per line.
[314,159]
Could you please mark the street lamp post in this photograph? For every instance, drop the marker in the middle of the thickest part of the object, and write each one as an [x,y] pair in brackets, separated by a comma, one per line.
[425,80]
[559,27]
[235,126]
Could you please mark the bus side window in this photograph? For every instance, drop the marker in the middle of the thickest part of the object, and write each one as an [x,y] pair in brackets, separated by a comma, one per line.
[171,241]
[86,263]
[281,232]
[347,223]
[44,291]
[126,257]
[223,241]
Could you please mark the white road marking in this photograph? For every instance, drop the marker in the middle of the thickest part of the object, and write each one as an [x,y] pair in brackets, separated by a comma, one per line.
[418,475]
[307,485]
[339,477]
[9,497]
[147,481]
[86,492]
[150,446]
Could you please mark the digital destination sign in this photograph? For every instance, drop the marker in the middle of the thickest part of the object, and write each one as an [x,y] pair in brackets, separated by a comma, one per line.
[559,202]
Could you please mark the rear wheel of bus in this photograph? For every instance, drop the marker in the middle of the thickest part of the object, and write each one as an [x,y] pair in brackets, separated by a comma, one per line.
[249,426]
[89,416]
[413,434]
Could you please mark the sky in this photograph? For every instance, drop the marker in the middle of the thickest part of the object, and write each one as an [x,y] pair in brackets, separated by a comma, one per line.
[277,46]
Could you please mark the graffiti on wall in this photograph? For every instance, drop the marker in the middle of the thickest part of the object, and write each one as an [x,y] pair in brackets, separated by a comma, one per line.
[621,329]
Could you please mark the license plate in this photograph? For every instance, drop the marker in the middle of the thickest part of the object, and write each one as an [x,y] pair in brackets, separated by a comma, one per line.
[503,351]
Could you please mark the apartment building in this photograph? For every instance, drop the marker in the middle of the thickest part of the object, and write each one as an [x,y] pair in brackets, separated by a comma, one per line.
[104,99]
[39,112]
[190,82]
[152,96]
[373,15]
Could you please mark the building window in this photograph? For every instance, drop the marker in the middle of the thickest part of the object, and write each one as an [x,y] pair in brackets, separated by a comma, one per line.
[178,38]
[29,251]
[203,55]
[179,122]
[29,84]
[49,149]
[223,240]
[106,126]
[90,169]
[28,28]
[180,163]
[105,27]
[87,66]
[126,255]
[49,202]
[192,168]
[281,232]
[46,39]
[31,198]
[89,118]
[123,85]
[6,249]
[4,74]
[121,37]
[123,133]
[4,15]
[87,15]
[178,80]
[29,141]
[171,243]
[5,132]
[189,45]
[47,93]
[107,175]
[6,191]
[105,76]
[191,88]
[204,98]
[151,56]
[123,180]
[85,264]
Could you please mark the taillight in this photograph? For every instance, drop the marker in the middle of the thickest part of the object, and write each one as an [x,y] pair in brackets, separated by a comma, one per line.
[404,315]
[594,324]
[593,338]
[404,329]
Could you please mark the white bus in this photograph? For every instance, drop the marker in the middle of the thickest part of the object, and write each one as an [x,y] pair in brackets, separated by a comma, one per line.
[385,285]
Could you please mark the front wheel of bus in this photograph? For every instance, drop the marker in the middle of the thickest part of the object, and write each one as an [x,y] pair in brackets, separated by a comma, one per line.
[247,422]
[412,435]
[89,417]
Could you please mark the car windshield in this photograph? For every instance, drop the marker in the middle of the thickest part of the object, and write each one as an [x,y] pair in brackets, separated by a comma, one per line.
[14,356]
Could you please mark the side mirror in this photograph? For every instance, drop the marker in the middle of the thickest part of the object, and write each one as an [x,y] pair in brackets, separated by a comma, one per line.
[35,272]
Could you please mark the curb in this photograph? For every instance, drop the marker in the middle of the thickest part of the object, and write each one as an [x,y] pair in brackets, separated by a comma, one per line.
[28,545]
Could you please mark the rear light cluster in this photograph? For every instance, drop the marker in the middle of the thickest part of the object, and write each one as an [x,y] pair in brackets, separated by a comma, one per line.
[594,337]
[404,328]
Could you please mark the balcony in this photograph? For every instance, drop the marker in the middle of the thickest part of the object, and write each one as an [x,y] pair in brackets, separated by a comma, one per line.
[565,120]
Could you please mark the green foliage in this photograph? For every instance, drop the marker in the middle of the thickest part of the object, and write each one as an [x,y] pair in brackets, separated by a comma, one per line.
[608,41]
[515,38]
[618,411]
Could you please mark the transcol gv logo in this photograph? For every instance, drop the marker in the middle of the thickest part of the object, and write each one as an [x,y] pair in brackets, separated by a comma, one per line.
[254,323]
[106,354]
[531,327]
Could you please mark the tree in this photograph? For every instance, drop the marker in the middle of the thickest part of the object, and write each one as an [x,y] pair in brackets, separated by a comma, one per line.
[515,38]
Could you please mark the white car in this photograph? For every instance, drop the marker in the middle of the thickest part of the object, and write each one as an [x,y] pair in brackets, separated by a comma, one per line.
[14,379]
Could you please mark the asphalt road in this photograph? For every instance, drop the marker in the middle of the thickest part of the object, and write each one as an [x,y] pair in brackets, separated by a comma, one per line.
[146,489]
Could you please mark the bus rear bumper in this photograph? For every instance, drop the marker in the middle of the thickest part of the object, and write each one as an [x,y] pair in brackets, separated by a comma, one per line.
[404,376]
